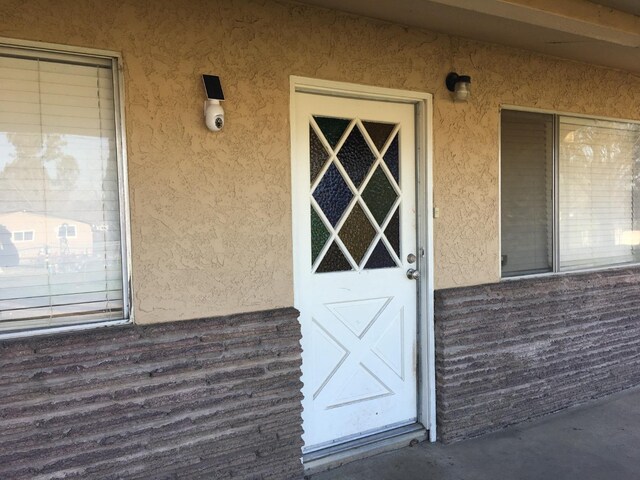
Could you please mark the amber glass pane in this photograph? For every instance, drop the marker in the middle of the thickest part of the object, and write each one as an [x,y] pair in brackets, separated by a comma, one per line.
[319,235]
[332,128]
[356,156]
[379,195]
[317,153]
[333,194]
[379,132]
[334,261]
[380,257]
[391,158]
[357,233]
[392,232]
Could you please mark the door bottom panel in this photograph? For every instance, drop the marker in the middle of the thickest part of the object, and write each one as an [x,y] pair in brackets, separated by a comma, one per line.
[349,451]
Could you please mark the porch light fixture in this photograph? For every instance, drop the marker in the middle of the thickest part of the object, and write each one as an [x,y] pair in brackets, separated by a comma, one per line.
[213,112]
[459,85]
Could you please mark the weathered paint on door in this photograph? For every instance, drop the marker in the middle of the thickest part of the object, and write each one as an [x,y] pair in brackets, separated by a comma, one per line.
[354,226]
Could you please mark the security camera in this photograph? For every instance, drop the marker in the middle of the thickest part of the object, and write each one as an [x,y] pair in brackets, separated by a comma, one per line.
[213,112]
[213,115]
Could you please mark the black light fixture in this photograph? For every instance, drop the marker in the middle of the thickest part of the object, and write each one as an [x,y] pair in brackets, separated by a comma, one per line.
[459,85]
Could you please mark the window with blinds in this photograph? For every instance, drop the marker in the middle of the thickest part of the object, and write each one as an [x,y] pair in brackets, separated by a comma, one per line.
[570,191]
[599,183]
[527,201]
[61,180]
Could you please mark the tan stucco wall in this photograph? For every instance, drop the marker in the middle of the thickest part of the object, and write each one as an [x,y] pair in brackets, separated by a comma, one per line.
[210,213]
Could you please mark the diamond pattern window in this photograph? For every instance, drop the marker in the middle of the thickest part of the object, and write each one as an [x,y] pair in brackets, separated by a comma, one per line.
[355,194]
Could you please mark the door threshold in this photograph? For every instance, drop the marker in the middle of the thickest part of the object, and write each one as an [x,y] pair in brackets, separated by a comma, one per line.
[333,457]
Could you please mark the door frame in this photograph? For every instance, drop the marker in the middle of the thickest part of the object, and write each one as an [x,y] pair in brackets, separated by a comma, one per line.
[423,106]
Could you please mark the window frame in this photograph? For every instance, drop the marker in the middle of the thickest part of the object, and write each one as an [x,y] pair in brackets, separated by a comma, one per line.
[556,197]
[68,228]
[23,233]
[57,51]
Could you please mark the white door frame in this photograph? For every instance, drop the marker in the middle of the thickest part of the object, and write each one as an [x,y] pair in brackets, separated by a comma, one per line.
[423,103]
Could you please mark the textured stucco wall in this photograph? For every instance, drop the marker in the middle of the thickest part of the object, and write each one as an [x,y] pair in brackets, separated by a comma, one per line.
[211,212]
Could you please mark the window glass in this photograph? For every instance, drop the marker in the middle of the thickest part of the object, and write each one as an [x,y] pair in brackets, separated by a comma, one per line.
[527,202]
[59,188]
[599,211]
[585,207]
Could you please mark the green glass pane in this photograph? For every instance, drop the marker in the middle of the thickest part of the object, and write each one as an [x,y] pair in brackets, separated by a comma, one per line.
[357,233]
[333,261]
[332,128]
[318,154]
[392,232]
[380,257]
[319,235]
[379,132]
[379,195]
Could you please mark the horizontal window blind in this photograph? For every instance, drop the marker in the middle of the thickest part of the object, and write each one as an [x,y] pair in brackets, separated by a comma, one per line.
[527,180]
[598,217]
[59,180]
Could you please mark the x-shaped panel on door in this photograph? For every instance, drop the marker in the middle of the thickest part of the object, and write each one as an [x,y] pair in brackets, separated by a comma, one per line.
[367,361]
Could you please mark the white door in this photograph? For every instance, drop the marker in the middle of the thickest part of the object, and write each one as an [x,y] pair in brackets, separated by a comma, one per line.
[354,223]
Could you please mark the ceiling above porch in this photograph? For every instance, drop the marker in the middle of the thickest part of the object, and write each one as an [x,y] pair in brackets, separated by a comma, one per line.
[601,32]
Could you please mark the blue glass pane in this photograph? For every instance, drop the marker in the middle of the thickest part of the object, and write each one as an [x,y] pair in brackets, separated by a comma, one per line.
[318,154]
[391,158]
[356,157]
[380,257]
[379,132]
[332,128]
[334,261]
[333,194]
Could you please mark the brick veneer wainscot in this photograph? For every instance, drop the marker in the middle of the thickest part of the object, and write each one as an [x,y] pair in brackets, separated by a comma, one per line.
[519,349]
[211,398]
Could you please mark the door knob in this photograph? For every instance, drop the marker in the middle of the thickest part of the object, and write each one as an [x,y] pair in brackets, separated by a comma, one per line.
[413,274]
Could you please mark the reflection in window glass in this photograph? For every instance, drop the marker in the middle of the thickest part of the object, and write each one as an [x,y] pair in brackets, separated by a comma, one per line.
[585,209]
[59,193]
[599,193]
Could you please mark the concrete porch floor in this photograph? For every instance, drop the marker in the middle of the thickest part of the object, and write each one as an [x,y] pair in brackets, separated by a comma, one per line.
[600,440]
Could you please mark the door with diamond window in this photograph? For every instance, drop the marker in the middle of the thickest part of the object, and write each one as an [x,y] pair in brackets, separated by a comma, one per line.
[354,224]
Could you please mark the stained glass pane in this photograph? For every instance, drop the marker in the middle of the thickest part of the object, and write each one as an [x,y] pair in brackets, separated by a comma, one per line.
[332,128]
[391,158]
[317,153]
[333,194]
[319,235]
[380,257]
[379,132]
[379,195]
[357,233]
[392,232]
[334,261]
[356,157]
